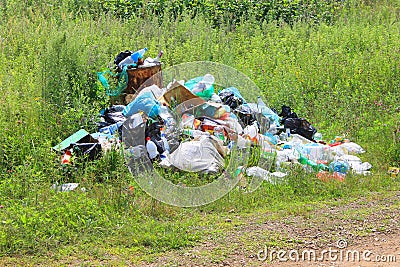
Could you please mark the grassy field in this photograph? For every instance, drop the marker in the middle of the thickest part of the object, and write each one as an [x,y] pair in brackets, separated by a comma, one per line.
[339,68]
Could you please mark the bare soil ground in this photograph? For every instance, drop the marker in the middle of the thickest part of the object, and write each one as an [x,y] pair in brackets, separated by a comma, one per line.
[361,232]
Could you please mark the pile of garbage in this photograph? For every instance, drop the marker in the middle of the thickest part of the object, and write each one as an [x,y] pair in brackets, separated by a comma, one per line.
[190,126]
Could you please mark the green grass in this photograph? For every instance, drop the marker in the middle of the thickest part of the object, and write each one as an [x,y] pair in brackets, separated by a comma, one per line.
[341,75]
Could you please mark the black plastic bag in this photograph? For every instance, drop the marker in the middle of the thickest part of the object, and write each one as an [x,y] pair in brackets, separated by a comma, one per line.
[287,113]
[114,117]
[90,150]
[245,114]
[300,126]
[111,116]
[230,99]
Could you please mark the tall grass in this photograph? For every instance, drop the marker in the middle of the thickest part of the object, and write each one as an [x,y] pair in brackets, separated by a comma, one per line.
[342,75]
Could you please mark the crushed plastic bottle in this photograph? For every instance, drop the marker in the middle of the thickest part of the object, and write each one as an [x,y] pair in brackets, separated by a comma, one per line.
[272,178]
[339,166]
[66,158]
[315,166]
[317,136]
[215,98]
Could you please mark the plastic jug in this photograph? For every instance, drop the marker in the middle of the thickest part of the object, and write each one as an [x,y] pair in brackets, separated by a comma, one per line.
[151,148]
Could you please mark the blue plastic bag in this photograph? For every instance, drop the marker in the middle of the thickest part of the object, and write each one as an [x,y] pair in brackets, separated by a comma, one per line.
[146,103]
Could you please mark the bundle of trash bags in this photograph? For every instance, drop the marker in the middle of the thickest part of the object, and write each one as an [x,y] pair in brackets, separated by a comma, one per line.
[191,127]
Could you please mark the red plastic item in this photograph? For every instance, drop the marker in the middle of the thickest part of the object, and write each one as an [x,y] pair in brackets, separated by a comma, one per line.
[326,176]
[66,158]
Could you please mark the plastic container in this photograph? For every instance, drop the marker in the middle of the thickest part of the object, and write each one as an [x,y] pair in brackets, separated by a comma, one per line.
[151,148]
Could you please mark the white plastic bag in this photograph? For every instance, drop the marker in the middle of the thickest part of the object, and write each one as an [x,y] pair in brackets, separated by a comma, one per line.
[197,156]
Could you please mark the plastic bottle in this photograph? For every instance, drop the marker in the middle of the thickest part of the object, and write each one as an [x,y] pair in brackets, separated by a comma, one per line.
[316,167]
[151,148]
[339,166]
[165,114]
[133,59]
[231,144]
[251,130]
[283,137]
[272,178]
[267,112]
[165,141]
[219,132]
[66,158]
[288,132]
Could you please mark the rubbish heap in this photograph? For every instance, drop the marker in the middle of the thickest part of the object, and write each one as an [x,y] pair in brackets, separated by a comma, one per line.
[190,126]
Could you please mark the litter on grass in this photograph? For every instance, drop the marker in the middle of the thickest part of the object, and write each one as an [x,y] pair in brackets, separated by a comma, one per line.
[193,126]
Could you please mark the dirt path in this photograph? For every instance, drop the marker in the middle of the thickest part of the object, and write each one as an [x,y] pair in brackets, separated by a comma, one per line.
[364,232]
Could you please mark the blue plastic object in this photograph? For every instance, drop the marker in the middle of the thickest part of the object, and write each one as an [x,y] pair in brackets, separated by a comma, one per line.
[271,138]
[339,166]
[144,102]
[122,81]
[267,112]
[112,129]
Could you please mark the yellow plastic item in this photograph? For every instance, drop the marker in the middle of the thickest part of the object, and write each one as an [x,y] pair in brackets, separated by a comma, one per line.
[393,171]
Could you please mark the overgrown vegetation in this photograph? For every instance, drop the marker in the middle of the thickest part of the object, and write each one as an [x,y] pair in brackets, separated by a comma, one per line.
[336,63]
